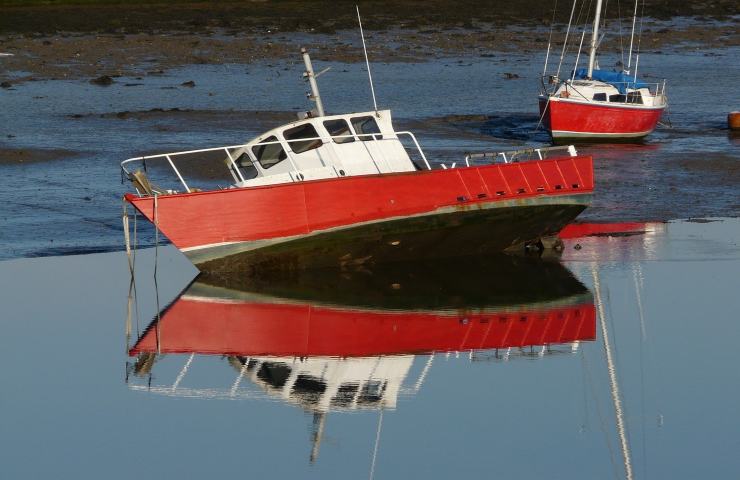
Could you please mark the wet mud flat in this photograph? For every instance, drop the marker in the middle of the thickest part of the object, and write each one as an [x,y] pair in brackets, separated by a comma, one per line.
[101,42]
[60,154]
[62,136]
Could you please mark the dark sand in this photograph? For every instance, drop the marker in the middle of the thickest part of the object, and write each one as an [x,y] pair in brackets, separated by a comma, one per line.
[94,40]
[11,156]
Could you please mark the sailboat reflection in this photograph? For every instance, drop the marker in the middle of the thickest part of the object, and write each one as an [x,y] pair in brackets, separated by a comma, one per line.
[331,341]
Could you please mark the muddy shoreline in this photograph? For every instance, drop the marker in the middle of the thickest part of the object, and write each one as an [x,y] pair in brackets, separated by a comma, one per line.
[321,16]
[88,42]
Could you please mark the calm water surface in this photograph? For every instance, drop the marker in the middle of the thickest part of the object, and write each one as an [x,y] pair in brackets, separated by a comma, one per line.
[413,371]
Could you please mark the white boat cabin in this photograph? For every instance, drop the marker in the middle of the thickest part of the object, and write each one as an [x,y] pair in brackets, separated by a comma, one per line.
[321,147]
[594,91]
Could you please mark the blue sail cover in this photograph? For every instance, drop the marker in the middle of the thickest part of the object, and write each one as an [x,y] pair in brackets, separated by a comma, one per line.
[620,80]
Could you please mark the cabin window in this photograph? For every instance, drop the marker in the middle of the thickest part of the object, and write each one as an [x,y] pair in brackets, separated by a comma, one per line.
[339,127]
[345,395]
[600,97]
[275,374]
[371,392]
[302,138]
[270,154]
[246,166]
[366,128]
[619,98]
[634,97]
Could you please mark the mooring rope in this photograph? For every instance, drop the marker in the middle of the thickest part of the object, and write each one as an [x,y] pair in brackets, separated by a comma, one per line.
[127,236]
[155,217]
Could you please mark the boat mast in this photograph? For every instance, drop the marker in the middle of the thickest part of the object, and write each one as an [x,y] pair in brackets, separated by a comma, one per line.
[594,39]
[312,81]
[319,421]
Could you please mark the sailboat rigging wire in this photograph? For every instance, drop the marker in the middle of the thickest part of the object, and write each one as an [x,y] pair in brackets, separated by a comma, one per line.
[632,36]
[367,62]
[377,442]
[565,42]
[549,39]
[584,7]
[639,285]
[619,26]
[599,414]
[580,46]
[621,430]
[639,35]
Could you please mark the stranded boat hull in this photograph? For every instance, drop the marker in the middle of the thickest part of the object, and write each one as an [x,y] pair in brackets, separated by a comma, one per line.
[264,326]
[570,119]
[374,218]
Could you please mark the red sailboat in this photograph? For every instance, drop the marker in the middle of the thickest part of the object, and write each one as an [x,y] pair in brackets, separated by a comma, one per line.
[600,104]
[333,190]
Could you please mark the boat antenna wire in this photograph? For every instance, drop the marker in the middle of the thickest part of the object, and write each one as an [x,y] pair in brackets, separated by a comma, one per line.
[367,62]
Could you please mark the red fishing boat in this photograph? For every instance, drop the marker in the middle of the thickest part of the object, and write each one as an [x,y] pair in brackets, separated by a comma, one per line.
[328,340]
[450,305]
[215,321]
[334,190]
[600,104]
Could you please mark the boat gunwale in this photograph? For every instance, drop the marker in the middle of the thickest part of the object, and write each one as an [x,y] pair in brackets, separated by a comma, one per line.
[594,104]
[133,197]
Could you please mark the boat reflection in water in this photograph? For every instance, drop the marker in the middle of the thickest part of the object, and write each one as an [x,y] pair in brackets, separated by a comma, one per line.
[347,340]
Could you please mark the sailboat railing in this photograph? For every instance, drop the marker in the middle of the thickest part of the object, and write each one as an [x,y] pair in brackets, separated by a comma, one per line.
[550,84]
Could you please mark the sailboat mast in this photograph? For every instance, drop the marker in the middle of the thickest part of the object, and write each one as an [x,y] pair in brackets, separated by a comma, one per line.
[594,39]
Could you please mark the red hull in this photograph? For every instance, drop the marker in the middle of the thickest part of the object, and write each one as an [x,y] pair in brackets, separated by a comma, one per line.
[572,119]
[254,328]
[255,216]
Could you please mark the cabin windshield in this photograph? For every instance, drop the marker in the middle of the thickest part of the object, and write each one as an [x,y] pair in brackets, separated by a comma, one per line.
[246,166]
[339,128]
[305,131]
[634,97]
[270,154]
[366,128]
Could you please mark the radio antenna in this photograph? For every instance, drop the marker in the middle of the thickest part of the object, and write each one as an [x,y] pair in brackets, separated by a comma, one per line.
[367,62]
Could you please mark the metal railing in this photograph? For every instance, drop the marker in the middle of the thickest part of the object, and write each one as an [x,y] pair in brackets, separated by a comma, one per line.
[290,155]
[550,84]
[520,155]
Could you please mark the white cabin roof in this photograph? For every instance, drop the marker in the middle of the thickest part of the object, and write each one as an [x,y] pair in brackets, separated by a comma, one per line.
[361,143]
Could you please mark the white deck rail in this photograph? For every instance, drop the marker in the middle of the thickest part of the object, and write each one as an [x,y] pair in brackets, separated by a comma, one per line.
[549,85]
[522,154]
[236,173]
